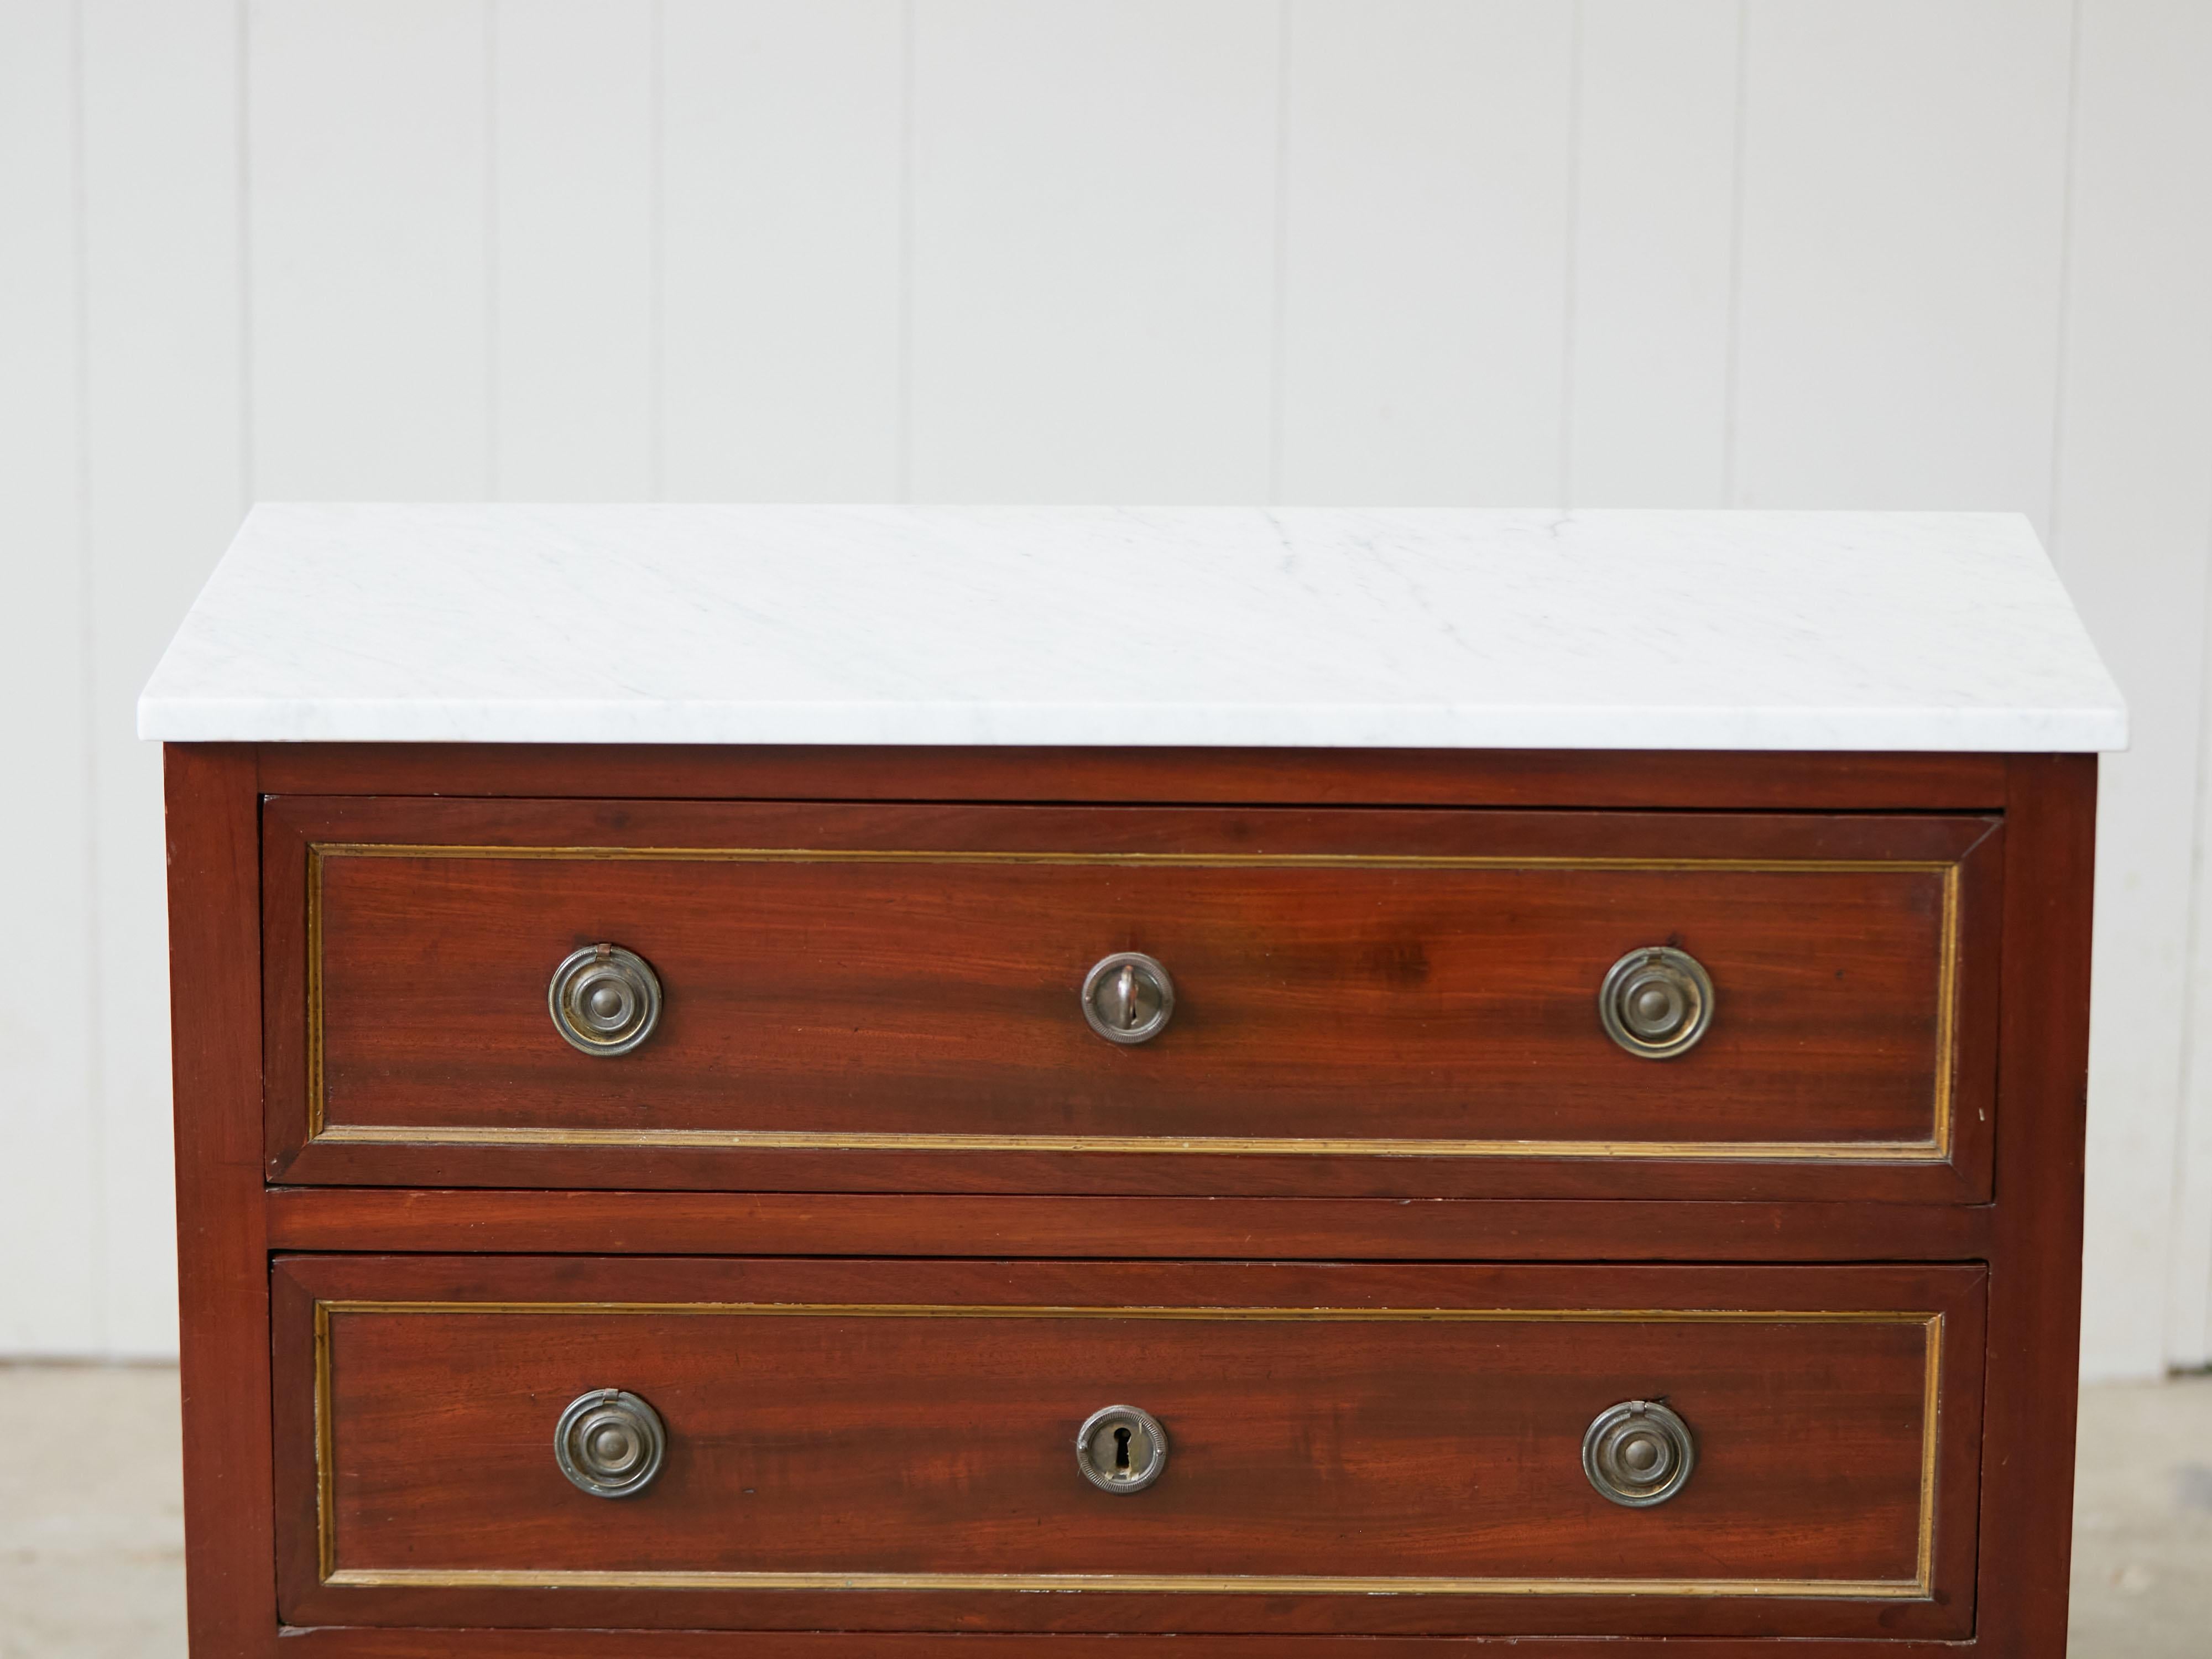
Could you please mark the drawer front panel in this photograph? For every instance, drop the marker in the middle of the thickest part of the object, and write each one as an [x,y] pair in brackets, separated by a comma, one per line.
[1347,1448]
[906,983]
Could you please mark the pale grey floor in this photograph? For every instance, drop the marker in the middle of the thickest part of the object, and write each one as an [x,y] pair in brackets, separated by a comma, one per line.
[92,1554]
[92,1563]
[2142,1521]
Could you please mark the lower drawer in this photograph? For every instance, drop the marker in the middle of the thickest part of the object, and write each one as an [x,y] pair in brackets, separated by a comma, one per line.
[774,1444]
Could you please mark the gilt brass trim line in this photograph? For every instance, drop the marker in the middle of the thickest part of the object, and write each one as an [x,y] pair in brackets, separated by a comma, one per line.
[1937,1149]
[1883,1152]
[1243,1313]
[1931,1421]
[325,1447]
[315,990]
[1918,1587]
[1871,1589]
[1947,1014]
[1165,860]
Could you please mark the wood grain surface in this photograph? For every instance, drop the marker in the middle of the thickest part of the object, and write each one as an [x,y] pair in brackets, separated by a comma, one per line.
[906,1428]
[2035,1281]
[2009,1195]
[996,1224]
[362,1641]
[222,1282]
[888,979]
[1729,779]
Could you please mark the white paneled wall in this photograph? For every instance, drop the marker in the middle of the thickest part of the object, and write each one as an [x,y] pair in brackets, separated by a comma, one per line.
[1651,286]
[1904,178]
[1092,233]
[572,213]
[1775,252]
[51,1238]
[1426,169]
[2131,499]
[783,339]
[161,473]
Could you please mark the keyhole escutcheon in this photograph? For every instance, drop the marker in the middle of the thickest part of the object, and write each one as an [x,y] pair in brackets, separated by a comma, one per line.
[1121,1448]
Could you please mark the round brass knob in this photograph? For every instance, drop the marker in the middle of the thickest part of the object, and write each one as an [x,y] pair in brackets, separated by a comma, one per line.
[609,1443]
[1638,1453]
[1656,1002]
[1120,1448]
[1128,998]
[604,999]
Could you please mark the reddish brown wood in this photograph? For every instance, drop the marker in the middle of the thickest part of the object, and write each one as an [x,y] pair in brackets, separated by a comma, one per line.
[1333,1003]
[1127,1174]
[926,1442]
[2035,1282]
[1621,778]
[904,1224]
[361,1643]
[285,989]
[213,837]
[2028,899]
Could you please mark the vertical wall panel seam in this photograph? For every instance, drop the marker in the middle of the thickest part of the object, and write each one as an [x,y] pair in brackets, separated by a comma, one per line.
[244,255]
[2177,1251]
[2201,1346]
[2065,271]
[2174,1347]
[490,19]
[1732,367]
[87,700]
[1571,257]
[656,252]
[2194,1345]
[1279,322]
[2189,1348]
[903,374]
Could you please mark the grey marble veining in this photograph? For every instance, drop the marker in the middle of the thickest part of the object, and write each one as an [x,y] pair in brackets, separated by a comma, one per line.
[1288,627]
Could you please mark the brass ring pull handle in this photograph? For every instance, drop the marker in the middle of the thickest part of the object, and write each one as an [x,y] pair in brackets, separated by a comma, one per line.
[1656,1002]
[1127,998]
[1638,1453]
[604,1000]
[609,1443]
[1120,1448]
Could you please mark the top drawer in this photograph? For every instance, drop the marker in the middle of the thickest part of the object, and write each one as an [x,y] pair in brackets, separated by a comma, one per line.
[891,998]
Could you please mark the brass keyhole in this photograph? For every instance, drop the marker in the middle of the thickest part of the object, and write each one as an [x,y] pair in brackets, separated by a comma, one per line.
[1120,1448]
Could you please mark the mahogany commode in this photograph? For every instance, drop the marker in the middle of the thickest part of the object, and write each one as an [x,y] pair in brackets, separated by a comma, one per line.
[706,1152]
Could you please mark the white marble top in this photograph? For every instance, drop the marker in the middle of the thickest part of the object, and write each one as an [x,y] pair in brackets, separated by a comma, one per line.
[1211,626]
